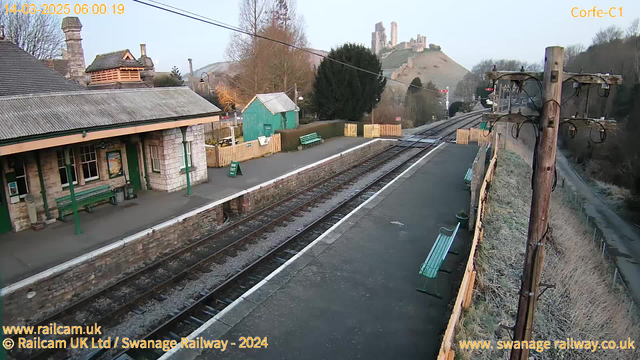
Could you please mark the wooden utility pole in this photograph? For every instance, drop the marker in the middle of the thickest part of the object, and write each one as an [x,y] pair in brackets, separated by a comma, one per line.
[542,183]
[544,169]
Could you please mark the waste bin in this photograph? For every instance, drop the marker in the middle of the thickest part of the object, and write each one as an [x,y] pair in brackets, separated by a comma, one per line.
[119,195]
[31,208]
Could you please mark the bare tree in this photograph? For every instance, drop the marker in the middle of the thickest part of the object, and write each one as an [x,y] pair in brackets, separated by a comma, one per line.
[634,28]
[466,88]
[265,66]
[609,34]
[38,34]
[571,52]
[244,49]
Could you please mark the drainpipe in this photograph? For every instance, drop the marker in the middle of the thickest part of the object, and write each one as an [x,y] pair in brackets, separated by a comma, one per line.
[186,157]
[74,204]
[144,162]
[43,189]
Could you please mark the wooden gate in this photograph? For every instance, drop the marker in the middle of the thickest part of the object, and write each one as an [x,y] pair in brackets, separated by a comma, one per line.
[351,130]
[372,131]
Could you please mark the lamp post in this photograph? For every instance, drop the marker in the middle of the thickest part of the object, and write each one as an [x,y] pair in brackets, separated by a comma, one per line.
[208,84]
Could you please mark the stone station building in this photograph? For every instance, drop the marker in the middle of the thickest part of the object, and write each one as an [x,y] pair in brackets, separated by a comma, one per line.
[112,137]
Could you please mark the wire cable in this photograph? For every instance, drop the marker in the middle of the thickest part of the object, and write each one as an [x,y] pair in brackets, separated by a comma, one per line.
[197,17]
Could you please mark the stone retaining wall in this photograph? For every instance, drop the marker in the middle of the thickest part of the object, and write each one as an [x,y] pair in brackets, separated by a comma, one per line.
[96,272]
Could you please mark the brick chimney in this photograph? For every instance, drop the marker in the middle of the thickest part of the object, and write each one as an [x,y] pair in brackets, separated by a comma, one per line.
[149,69]
[71,27]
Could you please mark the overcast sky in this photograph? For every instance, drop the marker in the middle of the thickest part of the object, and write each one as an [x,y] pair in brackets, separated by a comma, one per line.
[468,31]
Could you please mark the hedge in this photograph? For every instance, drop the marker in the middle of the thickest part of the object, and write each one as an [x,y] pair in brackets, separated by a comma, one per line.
[290,138]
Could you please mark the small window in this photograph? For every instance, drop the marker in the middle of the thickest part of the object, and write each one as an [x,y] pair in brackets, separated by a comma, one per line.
[64,180]
[21,179]
[189,159]
[89,161]
[155,158]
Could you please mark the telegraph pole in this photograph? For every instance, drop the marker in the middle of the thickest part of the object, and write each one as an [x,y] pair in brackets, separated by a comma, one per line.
[542,184]
[544,168]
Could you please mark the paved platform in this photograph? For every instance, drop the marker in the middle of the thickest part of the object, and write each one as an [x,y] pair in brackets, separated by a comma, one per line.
[352,293]
[29,252]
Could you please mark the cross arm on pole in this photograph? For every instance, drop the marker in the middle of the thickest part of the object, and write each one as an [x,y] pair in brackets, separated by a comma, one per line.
[582,78]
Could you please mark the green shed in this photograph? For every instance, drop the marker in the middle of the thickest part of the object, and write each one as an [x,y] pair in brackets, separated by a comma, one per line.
[266,113]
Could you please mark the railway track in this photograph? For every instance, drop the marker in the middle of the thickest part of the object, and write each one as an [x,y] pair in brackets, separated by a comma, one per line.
[107,306]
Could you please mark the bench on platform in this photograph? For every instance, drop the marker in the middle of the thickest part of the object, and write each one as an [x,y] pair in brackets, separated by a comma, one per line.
[310,139]
[85,199]
[438,253]
[467,177]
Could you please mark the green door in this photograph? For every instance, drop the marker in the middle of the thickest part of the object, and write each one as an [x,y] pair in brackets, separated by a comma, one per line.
[5,220]
[134,169]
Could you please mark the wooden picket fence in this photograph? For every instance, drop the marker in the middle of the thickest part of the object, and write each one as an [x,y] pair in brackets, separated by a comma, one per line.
[465,136]
[242,152]
[351,130]
[465,293]
[390,130]
[377,130]
[462,136]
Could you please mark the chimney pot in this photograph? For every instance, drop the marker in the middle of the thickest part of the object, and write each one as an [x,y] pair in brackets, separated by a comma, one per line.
[143,49]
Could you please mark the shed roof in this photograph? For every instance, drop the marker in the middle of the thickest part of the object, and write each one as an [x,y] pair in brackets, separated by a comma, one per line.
[21,73]
[26,116]
[274,102]
[113,60]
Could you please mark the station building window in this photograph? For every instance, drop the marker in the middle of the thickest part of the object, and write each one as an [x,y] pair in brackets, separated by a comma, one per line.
[89,161]
[21,179]
[64,180]
[155,158]
[189,158]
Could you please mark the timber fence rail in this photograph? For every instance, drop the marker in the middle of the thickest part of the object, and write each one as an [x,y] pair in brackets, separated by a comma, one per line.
[465,293]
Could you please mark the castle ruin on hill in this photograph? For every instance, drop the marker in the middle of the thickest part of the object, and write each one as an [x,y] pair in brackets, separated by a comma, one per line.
[379,40]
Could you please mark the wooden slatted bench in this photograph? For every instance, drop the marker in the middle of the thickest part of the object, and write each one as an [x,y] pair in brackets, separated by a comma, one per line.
[85,199]
[467,177]
[438,253]
[310,139]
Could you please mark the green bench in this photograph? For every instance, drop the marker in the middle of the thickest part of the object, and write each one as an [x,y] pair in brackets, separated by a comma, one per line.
[467,177]
[439,251]
[85,199]
[310,139]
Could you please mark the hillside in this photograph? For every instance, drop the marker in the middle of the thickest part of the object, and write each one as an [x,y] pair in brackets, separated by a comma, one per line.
[430,65]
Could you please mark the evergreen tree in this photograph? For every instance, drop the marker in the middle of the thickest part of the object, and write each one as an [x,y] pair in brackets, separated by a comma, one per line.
[342,92]
[175,73]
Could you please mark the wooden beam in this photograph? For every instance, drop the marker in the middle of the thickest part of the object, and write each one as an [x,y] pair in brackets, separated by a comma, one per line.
[593,78]
[567,76]
[512,75]
[516,118]
[101,134]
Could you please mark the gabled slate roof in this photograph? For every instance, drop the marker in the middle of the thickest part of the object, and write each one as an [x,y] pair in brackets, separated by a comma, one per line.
[112,60]
[21,73]
[274,102]
[26,116]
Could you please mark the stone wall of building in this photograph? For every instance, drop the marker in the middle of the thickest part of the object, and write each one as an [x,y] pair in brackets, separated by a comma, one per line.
[53,183]
[170,178]
[173,169]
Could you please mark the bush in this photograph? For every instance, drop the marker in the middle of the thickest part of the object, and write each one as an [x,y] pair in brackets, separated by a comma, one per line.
[290,138]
